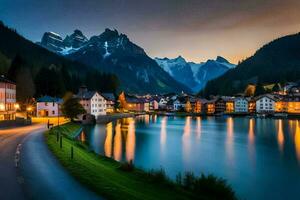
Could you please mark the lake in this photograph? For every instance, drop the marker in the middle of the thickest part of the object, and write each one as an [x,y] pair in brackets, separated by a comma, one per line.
[260,158]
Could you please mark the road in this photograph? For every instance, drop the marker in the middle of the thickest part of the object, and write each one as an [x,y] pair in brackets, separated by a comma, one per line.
[10,178]
[38,174]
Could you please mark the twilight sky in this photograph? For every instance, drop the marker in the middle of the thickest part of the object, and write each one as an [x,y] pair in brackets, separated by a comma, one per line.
[196,29]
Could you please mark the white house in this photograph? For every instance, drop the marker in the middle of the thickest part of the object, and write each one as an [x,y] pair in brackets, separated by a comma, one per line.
[240,105]
[162,103]
[266,103]
[48,106]
[177,105]
[93,102]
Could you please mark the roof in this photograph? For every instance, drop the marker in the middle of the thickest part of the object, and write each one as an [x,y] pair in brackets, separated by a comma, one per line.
[108,96]
[270,96]
[5,80]
[86,94]
[133,99]
[50,99]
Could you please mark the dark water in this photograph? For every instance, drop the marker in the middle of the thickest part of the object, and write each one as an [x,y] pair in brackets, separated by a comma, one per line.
[260,158]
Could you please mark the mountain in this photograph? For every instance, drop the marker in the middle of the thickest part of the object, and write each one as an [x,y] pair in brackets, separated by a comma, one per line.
[48,73]
[194,75]
[179,69]
[113,52]
[55,43]
[277,61]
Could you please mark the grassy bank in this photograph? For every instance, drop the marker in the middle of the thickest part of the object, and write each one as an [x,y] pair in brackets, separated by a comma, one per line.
[114,180]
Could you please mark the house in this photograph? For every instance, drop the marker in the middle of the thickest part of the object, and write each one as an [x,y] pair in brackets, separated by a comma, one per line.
[198,105]
[132,103]
[47,106]
[251,105]
[293,105]
[162,103]
[240,105]
[170,105]
[229,102]
[220,105]
[289,104]
[266,103]
[153,104]
[8,103]
[93,102]
[177,105]
[210,107]
[110,102]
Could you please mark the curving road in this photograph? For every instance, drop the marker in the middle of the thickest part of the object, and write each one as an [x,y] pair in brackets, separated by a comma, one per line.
[29,171]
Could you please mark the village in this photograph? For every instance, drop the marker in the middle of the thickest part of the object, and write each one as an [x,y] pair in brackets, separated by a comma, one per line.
[283,103]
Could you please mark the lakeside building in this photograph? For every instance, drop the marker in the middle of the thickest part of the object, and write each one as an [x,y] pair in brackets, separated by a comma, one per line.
[8,103]
[210,107]
[133,103]
[177,105]
[229,104]
[153,104]
[266,103]
[93,102]
[241,105]
[162,103]
[220,105]
[47,106]
[110,102]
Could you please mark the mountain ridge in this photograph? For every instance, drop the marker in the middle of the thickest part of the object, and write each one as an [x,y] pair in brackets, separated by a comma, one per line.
[275,62]
[113,52]
[194,75]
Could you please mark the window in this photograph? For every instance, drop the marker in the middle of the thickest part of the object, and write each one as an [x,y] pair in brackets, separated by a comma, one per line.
[46,103]
[53,112]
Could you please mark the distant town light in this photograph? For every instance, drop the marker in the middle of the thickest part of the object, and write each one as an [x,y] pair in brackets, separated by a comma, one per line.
[2,107]
[29,108]
[17,106]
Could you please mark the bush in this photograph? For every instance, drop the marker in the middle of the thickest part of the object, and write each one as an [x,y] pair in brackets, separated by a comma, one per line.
[209,186]
[158,176]
[127,166]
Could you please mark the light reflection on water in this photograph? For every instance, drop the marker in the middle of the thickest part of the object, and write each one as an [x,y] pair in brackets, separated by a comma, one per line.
[260,158]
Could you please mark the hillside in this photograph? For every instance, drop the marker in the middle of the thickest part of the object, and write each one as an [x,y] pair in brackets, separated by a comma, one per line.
[38,71]
[276,62]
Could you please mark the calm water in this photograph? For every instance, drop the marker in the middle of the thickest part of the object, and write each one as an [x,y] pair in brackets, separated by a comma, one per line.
[260,158]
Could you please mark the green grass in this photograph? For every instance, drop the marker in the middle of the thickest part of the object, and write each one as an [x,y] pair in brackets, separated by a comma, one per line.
[108,178]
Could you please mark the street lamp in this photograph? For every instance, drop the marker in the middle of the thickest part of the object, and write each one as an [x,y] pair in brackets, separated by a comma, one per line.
[2,106]
[17,106]
[28,109]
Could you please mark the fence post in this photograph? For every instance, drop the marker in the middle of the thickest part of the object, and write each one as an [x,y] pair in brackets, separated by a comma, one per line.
[60,142]
[72,152]
[57,136]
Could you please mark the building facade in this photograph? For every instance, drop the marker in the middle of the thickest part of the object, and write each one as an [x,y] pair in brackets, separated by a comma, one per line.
[240,105]
[48,107]
[93,102]
[7,99]
[265,104]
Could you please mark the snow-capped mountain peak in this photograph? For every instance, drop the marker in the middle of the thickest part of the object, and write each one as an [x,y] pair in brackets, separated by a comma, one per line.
[194,75]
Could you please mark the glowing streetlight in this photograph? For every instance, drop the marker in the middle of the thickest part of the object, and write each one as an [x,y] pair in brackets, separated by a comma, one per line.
[29,108]
[2,106]
[17,106]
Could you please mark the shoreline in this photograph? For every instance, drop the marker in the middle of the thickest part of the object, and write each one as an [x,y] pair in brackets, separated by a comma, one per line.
[102,119]
[119,180]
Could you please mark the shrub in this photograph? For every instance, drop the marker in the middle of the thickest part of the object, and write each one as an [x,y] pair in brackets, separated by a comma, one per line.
[127,166]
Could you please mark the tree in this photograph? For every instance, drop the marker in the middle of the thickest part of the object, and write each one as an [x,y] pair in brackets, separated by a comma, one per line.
[259,90]
[49,81]
[16,65]
[71,107]
[276,88]
[25,84]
